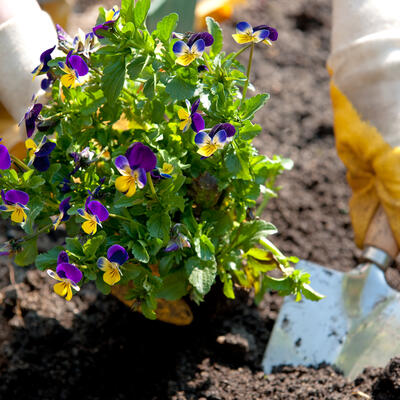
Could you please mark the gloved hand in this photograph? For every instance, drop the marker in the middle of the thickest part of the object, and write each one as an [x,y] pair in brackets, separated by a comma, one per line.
[365,90]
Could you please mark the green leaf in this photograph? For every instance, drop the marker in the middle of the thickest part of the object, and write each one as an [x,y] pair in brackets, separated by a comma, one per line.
[135,67]
[159,226]
[310,294]
[28,253]
[166,26]
[249,233]
[174,286]
[204,248]
[93,243]
[140,12]
[113,78]
[140,253]
[127,9]
[228,289]
[249,131]
[48,259]
[36,206]
[178,89]
[74,246]
[35,182]
[202,277]
[252,105]
[215,30]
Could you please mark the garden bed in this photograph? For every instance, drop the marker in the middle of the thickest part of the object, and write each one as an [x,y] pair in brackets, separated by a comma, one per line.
[95,348]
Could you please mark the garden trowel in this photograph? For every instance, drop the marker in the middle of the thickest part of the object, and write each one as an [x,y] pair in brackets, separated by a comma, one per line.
[357,325]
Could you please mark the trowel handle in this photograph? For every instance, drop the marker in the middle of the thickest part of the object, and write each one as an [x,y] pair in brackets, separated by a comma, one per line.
[380,236]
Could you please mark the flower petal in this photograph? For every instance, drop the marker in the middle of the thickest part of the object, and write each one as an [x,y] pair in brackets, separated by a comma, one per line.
[65,206]
[41,163]
[207,37]
[195,106]
[61,288]
[62,257]
[141,156]
[18,215]
[172,246]
[126,185]
[77,63]
[198,123]
[111,276]
[180,48]
[14,196]
[96,208]
[202,139]
[118,254]
[140,177]
[90,227]
[103,263]
[70,271]
[198,47]
[5,159]
[244,28]
[53,275]
[220,138]
[122,164]
[261,35]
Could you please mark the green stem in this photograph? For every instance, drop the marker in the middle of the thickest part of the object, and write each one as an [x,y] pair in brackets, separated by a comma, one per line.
[36,234]
[241,51]
[263,204]
[20,163]
[246,85]
[208,65]
[153,190]
[120,217]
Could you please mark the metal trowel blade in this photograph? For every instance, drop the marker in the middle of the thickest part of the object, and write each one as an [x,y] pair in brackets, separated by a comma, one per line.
[357,325]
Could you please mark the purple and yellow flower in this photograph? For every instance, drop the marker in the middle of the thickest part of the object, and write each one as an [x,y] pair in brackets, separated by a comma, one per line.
[187,54]
[15,201]
[116,256]
[75,69]
[273,33]
[166,170]
[190,117]
[94,214]
[5,159]
[39,154]
[111,16]
[68,276]
[210,143]
[138,160]
[228,128]
[45,57]
[63,216]
[246,34]
[178,242]
[31,116]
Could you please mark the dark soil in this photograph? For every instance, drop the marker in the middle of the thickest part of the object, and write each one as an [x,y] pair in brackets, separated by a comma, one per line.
[96,348]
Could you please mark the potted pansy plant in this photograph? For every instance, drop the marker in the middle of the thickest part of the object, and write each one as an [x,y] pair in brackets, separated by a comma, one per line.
[142,155]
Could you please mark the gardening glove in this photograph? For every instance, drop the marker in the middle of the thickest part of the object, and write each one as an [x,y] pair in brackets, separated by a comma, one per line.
[23,37]
[365,89]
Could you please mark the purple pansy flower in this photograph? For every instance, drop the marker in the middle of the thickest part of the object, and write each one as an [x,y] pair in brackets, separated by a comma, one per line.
[116,256]
[178,242]
[191,117]
[15,201]
[138,160]
[186,54]
[75,69]
[31,116]
[46,82]
[68,276]
[39,154]
[45,57]
[63,216]
[246,34]
[94,214]
[5,159]
[219,136]
[111,16]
